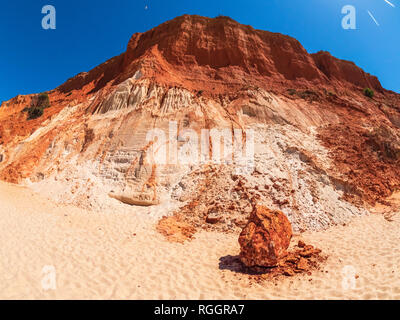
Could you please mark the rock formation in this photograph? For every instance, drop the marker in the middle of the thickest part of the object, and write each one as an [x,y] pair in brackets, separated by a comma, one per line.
[323,151]
[265,238]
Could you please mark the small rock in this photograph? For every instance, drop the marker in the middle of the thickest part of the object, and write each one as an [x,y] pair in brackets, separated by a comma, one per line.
[213,218]
[302,264]
[292,259]
[309,251]
[289,273]
[301,244]
[239,223]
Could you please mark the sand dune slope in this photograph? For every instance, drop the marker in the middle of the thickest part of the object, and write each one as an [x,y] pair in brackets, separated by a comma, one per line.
[106,255]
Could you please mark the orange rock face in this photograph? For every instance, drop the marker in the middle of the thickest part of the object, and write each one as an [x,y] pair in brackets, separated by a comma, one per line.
[344,71]
[215,55]
[265,239]
[220,48]
[332,147]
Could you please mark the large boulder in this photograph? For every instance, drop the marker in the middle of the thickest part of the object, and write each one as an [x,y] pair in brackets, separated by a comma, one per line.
[265,238]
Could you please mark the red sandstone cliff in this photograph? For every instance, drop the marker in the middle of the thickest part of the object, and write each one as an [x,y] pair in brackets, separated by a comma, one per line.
[333,147]
[210,54]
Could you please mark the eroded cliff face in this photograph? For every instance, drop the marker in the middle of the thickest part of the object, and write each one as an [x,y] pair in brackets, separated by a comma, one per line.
[340,71]
[323,151]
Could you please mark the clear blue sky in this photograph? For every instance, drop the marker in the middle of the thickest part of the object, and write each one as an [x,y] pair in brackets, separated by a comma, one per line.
[90,32]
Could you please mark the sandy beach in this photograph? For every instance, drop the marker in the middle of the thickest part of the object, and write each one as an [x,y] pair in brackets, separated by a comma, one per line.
[106,255]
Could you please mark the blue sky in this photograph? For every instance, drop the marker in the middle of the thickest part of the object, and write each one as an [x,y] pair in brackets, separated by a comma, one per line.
[90,32]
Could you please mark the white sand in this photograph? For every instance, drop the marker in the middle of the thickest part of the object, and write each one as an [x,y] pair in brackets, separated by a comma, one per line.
[97,256]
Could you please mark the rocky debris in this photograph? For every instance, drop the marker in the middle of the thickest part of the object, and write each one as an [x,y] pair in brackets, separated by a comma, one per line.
[224,207]
[300,260]
[294,263]
[366,159]
[213,218]
[175,230]
[290,175]
[301,244]
[265,239]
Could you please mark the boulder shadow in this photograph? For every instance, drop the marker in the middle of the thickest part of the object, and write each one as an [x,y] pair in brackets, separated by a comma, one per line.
[234,264]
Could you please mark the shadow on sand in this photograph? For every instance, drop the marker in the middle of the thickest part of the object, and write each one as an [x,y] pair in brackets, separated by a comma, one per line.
[234,264]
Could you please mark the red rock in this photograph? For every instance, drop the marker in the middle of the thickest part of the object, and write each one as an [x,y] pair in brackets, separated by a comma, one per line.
[288,272]
[290,258]
[302,264]
[308,251]
[265,238]
[301,244]
[213,218]
[344,71]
